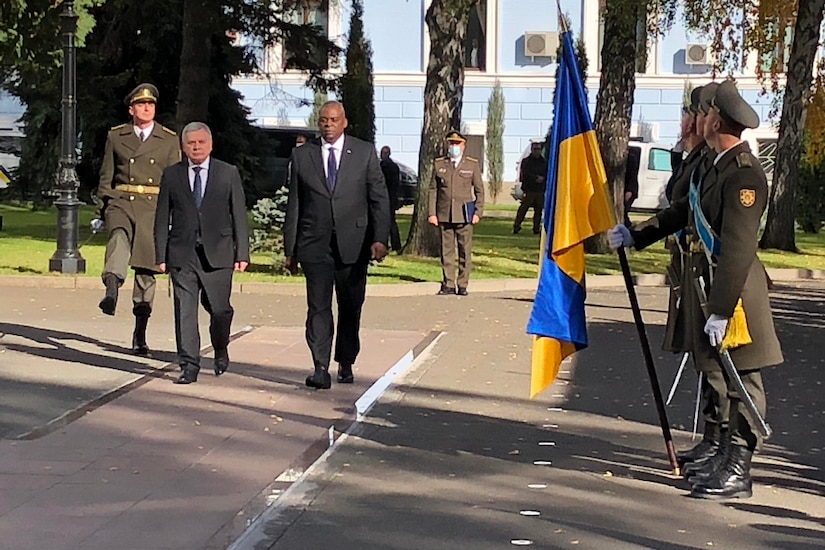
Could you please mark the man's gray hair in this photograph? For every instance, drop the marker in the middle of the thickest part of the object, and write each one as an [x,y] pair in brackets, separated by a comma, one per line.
[194,127]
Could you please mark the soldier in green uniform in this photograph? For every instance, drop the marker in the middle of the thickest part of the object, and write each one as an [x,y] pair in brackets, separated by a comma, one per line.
[722,213]
[714,405]
[135,156]
[456,203]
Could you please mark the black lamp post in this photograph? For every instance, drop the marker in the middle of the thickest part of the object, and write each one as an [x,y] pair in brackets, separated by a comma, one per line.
[67,258]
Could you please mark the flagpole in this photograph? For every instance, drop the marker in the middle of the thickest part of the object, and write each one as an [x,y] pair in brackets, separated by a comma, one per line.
[651,369]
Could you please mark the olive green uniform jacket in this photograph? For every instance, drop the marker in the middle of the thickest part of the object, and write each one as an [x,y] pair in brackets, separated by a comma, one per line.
[734,194]
[129,161]
[452,186]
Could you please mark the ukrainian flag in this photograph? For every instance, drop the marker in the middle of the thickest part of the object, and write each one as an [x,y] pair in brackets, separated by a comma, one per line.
[576,207]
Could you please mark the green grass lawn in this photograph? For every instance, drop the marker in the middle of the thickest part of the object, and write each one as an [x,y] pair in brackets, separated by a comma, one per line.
[28,239]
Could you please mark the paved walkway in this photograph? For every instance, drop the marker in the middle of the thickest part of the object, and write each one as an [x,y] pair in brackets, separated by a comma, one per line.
[453,456]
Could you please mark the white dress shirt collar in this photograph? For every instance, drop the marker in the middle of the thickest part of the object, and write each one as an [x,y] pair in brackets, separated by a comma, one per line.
[722,154]
[146,131]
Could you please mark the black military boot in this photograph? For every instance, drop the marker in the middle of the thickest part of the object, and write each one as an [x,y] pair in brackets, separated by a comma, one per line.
[142,313]
[109,302]
[704,449]
[710,461]
[733,480]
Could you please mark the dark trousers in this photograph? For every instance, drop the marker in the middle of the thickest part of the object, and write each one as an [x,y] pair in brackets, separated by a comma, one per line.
[350,284]
[395,234]
[744,432]
[194,282]
[536,202]
[714,402]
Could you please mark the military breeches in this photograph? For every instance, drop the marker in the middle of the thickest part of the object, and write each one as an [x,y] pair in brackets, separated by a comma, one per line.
[456,241]
[118,251]
[744,432]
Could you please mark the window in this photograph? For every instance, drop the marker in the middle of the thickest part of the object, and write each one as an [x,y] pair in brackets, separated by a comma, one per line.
[782,50]
[309,12]
[475,45]
[659,160]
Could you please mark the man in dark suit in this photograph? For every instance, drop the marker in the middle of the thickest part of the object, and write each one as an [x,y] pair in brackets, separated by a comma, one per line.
[201,236]
[338,219]
[392,175]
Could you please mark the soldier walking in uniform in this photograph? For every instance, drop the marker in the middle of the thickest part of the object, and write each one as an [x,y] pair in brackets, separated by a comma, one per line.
[722,213]
[456,203]
[135,156]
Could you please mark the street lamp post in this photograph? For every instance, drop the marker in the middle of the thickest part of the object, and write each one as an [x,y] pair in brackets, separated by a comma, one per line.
[67,258]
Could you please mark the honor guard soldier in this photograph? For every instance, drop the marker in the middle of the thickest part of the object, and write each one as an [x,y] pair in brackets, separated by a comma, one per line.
[135,156]
[725,304]
[456,203]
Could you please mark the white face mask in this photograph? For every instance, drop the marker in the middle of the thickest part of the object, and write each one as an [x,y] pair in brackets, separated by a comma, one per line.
[454,151]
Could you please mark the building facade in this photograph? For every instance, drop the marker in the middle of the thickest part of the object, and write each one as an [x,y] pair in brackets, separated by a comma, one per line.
[509,41]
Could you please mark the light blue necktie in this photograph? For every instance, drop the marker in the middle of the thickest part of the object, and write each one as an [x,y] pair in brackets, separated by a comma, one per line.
[197,188]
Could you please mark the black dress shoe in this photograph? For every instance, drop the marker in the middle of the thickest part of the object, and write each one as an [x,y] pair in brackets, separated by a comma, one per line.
[345,375]
[462,291]
[188,376]
[446,291]
[320,380]
[221,361]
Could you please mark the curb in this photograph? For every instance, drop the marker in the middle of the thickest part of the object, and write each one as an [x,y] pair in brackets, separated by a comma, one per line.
[74,282]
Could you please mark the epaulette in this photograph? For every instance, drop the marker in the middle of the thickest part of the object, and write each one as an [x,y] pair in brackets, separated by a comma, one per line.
[118,127]
[440,158]
[167,130]
[471,159]
[743,160]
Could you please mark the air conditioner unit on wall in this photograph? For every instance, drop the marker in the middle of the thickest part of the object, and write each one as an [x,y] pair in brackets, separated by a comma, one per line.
[697,54]
[541,44]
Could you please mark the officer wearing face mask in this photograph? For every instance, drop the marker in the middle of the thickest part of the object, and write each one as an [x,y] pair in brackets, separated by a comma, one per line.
[456,202]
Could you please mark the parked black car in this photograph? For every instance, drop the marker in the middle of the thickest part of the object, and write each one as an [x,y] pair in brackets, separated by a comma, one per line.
[408,187]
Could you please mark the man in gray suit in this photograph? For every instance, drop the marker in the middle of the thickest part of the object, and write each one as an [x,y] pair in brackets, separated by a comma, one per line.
[338,219]
[201,237]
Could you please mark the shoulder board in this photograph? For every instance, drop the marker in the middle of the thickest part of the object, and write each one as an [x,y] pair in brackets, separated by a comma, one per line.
[440,158]
[471,159]
[167,130]
[743,160]
[119,126]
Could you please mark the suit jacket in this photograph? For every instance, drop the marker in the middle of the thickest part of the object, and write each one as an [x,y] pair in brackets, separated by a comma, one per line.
[220,225]
[392,175]
[356,213]
[452,186]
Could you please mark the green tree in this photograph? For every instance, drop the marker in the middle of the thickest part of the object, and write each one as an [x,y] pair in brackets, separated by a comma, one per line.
[317,102]
[356,87]
[765,27]
[443,91]
[494,142]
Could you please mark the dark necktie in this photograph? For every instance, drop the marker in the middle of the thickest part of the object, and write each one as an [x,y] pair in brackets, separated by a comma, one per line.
[332,169]
[142,136]
[197,188]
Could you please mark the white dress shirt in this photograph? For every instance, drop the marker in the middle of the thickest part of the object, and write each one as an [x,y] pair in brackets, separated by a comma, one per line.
[146,131]
[325,147]
[204,175]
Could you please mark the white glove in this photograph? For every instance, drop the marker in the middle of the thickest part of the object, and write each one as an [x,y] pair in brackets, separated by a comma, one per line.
[97,225]
[715,329]
[619,236]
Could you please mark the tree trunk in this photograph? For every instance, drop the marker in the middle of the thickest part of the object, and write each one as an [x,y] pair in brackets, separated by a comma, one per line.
[614,102]
[779,231]
[196,51]
[447,23]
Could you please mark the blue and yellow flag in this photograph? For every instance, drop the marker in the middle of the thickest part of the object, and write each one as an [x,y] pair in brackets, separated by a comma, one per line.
[576,207]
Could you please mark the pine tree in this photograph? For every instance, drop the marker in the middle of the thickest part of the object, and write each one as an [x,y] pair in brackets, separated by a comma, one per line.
[495,136]
[317,102]
[356,85]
